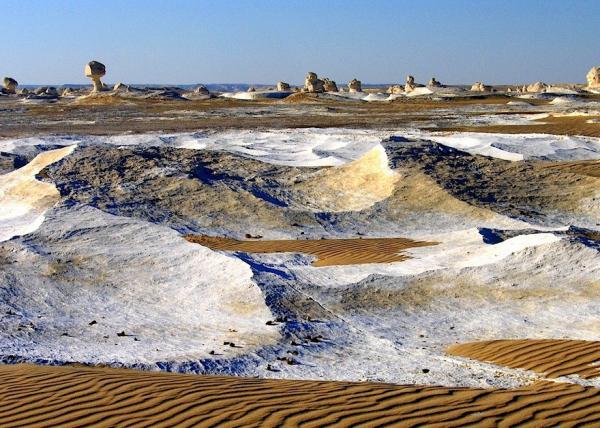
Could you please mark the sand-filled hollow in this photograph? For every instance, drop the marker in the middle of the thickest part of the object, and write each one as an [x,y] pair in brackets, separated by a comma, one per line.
[34,396]
[551,357]
[329,252]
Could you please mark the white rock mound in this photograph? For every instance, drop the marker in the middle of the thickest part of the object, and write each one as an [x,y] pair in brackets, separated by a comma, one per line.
[202,90]
[536,87]
[95,70]
[433,83]
[313,84]
[354,85]
[283,86]
[329,85]
[480,87]
[593,78]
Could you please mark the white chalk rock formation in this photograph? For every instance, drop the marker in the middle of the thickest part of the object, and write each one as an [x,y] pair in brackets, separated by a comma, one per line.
[283,86]
[313,84]
[395,90]
[10,85]
[24,91]
[410,84]
[433,83]
[593,78]
[251,89]
[329,85]
[354,85]
[95,70]
[480,87]
[121,87]
[24,199]
[202,90]
[536,87]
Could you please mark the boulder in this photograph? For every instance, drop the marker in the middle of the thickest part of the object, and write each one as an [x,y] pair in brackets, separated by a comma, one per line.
[10,85]
[283,86]
[251,89]
[202,90]
[329,85]
[24,91]
[536,87]
[593,78]
[66,92]
[433,83]
[313,84]
[95,70]
[354,86]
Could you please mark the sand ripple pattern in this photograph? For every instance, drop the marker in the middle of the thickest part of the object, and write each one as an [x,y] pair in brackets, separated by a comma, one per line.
[553,358]
[589,168]
[33,396]
[329,252]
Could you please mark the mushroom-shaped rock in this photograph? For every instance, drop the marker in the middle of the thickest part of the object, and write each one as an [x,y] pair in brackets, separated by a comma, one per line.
[433,83]
[313,84]
[95,70]
[354,86]
[202,90]
[410,84]
[329,85]
[593,78]
[283,86]
[536,87]
[10,85]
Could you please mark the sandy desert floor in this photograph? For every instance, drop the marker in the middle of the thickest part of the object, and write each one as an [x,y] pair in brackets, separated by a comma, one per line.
[315,260]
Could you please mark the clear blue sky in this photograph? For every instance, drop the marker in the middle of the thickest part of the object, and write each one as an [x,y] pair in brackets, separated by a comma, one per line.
[263,41]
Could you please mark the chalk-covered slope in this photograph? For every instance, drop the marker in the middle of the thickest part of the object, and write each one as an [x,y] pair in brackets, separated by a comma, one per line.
[24,199]
[94,288]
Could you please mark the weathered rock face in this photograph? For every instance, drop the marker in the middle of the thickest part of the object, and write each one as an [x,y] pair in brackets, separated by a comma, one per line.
[593,78]
[95,70]
[10,85]
[433,83]
[395,89]
[121,87]
[313,84]
[536,87]
[329,85]
[410,84]
[202,90]
[354,86]
[480,87]
[283,86]
[251,89]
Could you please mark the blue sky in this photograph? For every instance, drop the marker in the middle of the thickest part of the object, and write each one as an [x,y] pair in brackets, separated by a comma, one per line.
[263,41]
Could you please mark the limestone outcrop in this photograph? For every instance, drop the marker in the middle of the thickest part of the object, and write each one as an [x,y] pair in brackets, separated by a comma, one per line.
[251,89]
[202,90]
[395,90]
[283,86]
[313,84]
[9,85]
[121,87]
[480,87]
[354,85]
[329,85]
[410,84]
[593,78]
[433,83]
[536,87]
[95,70]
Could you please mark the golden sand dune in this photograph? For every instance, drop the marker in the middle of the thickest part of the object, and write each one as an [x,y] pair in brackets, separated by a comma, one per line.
[329,252]
[553,358]
[32,396]
[556,125]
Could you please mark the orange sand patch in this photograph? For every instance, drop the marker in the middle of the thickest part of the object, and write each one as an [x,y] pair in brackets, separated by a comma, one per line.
[32,396]
[329,252]
[553,358]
